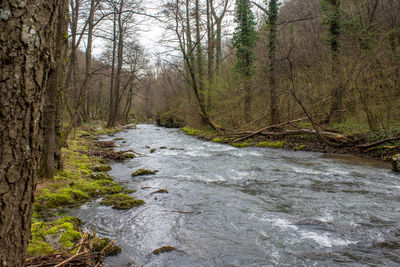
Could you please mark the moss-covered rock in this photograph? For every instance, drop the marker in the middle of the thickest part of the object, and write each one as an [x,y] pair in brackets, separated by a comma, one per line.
[47,199]
[163,249]
[396,163]
[128,155]
[121,201]
[141,172]
[153,150]
[101,168]
[163,147]
[50,236]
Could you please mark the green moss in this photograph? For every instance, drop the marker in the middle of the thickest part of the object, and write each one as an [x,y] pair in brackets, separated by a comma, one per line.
[140,172]
[241,145]
[75,193]
[190,131]
[105,131]
[39,247]
[128,155]
[163,147]
[101,168]
[50,236]
[153,150]
[218,140]
[277,144]
[100,176]
[46,199]
[108,187]
[92,188]
[121,201]
[299,147]
[129,191]
[163,249]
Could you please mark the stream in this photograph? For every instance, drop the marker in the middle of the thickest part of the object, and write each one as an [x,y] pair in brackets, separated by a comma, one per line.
[253,206]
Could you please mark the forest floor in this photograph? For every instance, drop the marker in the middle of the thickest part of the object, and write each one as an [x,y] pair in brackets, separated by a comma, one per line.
[57,239]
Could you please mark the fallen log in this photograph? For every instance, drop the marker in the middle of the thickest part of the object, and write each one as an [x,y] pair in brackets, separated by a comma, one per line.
[377,143]
[268,127]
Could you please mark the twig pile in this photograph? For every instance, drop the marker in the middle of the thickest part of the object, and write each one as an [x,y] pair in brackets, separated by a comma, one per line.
[84,255]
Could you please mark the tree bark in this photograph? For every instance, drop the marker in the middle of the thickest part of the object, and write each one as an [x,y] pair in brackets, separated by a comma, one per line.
[273,32]
[27,54]
[51,153]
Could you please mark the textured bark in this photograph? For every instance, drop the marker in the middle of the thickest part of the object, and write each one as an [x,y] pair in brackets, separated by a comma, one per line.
[210,56]
[110,122]
[27,54]
[51,153]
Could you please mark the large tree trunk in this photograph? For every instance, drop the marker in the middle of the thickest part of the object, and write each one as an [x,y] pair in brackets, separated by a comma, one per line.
[117,86]
[27,54]
[110,121]
[210,56]
[273,32]
[51,152]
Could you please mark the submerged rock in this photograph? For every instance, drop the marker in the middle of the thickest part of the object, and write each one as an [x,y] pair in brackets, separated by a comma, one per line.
[163,250]
[396,163]
[153,150]
[143,172]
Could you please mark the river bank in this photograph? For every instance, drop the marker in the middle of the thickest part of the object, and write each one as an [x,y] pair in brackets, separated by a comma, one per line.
[384,152]
[56,237]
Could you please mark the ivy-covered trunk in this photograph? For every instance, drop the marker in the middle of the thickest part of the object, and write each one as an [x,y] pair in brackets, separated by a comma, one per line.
[273,32]
[331,9]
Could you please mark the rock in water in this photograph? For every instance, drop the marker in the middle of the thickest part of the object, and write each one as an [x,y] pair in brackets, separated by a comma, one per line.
[129,126]
[396,163]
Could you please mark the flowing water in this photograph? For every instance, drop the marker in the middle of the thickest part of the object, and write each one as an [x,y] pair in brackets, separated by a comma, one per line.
[249,207]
